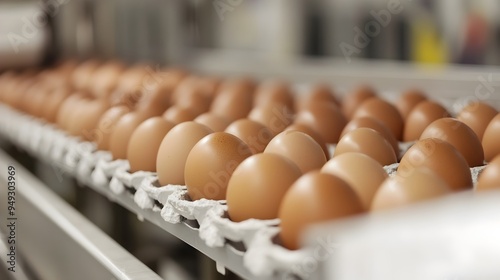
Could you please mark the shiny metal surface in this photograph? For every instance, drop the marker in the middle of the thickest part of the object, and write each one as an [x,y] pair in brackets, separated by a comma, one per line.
[56,240]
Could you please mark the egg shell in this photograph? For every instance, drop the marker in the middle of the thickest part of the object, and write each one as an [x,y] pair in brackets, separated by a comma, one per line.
[135,78]
[145,142]
[383,111]
[256,135]
[263,180]
[491,143]
[317,93]
[477,116]
[298,147]
[374,124]
[354,99]
[155,101]
[179,114]
[440,157]
[422,115]
[68,106]
[274,92]
[106,124]
[54,102]
[105,79]
[408,100]
[213,121]
[272,115]
[460,136]
[120,136]
[489,179]
[311,132]
[82,75]
[234,100]
[211,163]
[209,85]
[128,97]
[418,185]
[174,150]
[314,198]
[89,116]
[360,171]
[326,119]
[369,142]
[35,100]
[194,99]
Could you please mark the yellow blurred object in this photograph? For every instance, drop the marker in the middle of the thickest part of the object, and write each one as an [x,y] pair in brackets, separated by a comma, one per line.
[427,47]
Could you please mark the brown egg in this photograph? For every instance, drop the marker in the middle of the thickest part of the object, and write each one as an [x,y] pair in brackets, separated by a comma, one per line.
[133,78]
[210,85]
[354,99]
[360,171]
[120,136]
[164,78]
[234,99]
[87,117]
[274,116]
[408,100]
[213,121]
[300,148]
[311,132]
[211,163]
[145,142]
[460,136]
[440,157]
[489,179]
[369,142]
[35,100]
[74,117]
[105,79]
[194,99]
[174,150]
[82,75]
[254,134]
[274,92]
[155,101]
[54,102]
[422,115]
[17,97]
[106,124]
[326,119]
[374,124]
[418,185]
[314,198]
[383,111]
[179,114]
[263,180]
[477,116]
[318,93]
[490,142]
[67,107]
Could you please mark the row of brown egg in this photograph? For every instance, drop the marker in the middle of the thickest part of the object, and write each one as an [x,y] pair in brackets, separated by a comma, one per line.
[259,146]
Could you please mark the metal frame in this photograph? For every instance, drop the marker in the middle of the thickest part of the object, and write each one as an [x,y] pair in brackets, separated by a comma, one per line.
[57,241]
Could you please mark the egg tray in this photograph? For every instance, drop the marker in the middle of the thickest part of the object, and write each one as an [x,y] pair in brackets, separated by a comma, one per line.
[254,239]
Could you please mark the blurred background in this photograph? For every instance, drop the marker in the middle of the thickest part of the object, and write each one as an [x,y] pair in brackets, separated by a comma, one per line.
[173,31]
